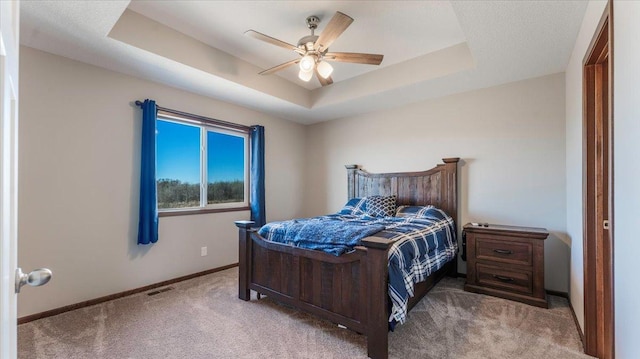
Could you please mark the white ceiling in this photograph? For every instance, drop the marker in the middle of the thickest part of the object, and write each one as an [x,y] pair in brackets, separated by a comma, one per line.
[401,30]
[431,48]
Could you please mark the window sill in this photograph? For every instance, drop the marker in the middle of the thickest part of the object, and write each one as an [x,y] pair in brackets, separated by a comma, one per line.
[188,212]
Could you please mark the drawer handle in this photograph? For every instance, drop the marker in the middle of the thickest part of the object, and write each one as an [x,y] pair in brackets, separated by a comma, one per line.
[503,251]
[501,278]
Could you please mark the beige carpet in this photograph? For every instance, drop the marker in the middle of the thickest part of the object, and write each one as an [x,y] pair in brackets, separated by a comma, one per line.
[202,318]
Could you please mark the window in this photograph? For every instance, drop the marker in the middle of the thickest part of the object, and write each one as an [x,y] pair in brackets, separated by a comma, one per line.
[200,165]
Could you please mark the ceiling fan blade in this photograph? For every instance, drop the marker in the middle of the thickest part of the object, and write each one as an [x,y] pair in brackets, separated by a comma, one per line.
[323,81]
[336,26]
[279,67]
[271,40]
[358,58]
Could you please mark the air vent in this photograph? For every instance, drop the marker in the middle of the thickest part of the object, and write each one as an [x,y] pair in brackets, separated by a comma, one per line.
[160,291]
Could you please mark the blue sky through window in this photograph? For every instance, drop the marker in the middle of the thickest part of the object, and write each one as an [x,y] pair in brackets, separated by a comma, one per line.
[179,154]
[225,157]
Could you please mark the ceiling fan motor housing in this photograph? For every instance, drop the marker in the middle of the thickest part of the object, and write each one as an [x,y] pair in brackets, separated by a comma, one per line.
[305,41]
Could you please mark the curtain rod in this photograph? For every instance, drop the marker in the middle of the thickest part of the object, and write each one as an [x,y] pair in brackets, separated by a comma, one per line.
[201,118]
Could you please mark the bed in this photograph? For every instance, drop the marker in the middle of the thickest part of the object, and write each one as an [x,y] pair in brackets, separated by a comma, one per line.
[351,289]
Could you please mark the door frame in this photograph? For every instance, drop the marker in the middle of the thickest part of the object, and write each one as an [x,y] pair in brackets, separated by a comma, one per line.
[598,190]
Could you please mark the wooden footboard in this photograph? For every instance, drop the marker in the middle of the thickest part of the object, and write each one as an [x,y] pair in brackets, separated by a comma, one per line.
[350,289]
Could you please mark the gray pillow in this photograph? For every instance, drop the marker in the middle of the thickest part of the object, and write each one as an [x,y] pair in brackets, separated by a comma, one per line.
[381,206]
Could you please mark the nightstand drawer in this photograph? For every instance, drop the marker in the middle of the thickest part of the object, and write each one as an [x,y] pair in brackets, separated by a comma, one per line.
[504,251]
[505,279]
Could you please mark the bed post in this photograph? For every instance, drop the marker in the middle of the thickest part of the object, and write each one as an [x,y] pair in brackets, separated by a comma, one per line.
[449,191]
[378,293]
[451,201]
[351,180]
[244,258]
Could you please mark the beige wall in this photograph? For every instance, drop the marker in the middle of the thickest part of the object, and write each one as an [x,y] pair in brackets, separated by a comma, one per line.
[573,80]
[511,139]
[78,172]
[78,178]
[626,58]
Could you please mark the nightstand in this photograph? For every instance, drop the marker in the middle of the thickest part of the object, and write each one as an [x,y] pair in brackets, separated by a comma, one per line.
[506,262]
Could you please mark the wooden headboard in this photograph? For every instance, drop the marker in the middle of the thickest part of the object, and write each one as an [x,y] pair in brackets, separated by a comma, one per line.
[437,186]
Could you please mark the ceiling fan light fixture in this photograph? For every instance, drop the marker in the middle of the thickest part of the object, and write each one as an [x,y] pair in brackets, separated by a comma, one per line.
[324,69]
[315,48]
[307,63]
[305,75]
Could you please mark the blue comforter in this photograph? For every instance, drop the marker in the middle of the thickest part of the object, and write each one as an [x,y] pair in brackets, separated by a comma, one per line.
[335,237]
[334,233]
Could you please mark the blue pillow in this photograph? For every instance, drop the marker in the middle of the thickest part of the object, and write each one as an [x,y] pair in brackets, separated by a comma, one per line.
[355,206]
[381,206]
[413,211]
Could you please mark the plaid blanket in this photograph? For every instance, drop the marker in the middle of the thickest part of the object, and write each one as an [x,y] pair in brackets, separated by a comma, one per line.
[421,246]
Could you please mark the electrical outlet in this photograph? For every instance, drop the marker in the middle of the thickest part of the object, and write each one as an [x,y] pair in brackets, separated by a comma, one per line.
[203,251]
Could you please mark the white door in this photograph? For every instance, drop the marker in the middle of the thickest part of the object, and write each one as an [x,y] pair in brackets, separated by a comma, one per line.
[11,277]
[9,48]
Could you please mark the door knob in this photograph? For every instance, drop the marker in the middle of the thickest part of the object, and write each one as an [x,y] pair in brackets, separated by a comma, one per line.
[36,278]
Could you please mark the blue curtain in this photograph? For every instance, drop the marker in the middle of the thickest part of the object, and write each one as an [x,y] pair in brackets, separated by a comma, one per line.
[257,176]
[148,222]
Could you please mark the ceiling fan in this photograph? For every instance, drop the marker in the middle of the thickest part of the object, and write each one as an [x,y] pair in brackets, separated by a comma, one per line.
[314,50]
